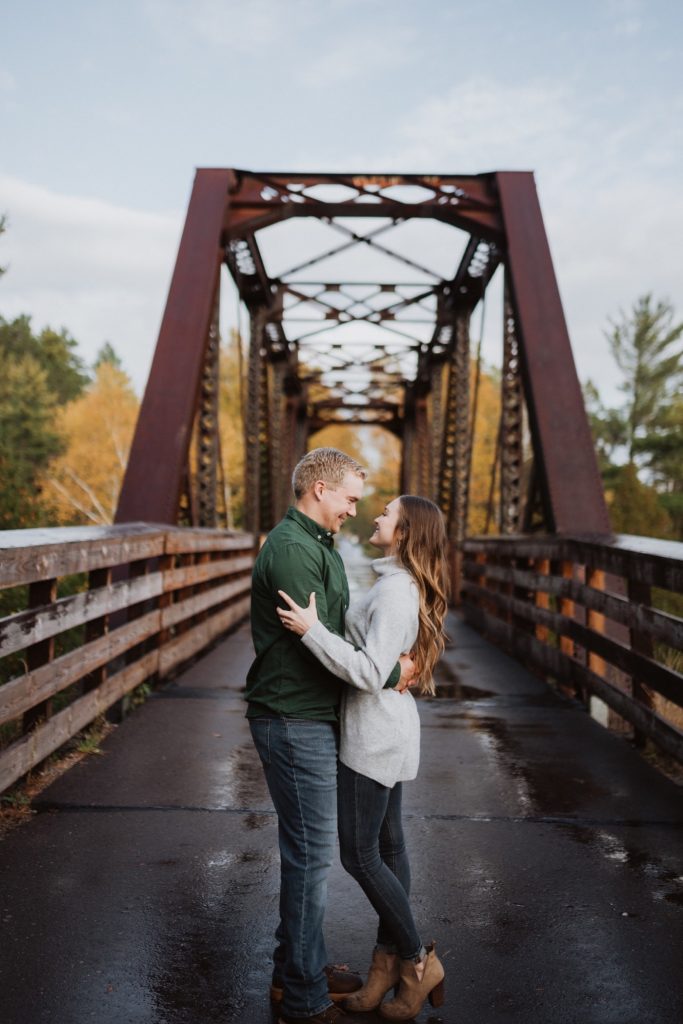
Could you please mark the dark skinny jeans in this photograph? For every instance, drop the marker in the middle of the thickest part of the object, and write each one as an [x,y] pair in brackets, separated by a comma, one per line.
[373,851]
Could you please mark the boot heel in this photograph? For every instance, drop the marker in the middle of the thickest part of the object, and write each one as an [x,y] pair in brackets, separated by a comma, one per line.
[436,996]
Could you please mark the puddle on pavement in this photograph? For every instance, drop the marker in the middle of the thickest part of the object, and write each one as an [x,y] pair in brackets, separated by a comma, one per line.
[449,686]
[539,787]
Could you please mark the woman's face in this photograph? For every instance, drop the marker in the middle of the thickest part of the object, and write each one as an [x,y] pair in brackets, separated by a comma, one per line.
[385,526]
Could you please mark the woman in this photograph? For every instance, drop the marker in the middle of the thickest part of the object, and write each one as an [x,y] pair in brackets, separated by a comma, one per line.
[380,737]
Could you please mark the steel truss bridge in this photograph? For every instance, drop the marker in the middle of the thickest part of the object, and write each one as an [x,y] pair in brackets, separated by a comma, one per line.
[552,585]
[149,890]
[395,353]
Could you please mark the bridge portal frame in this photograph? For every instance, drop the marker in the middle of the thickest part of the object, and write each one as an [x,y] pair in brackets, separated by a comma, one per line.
[501,213]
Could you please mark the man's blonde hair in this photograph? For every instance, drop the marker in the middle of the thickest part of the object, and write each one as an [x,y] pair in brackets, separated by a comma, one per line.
[327,464]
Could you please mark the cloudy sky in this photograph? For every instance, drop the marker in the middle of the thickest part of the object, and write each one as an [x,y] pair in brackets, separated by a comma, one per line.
[107,106]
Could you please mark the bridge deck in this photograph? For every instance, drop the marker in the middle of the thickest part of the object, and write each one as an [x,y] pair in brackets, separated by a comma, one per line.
[546,862]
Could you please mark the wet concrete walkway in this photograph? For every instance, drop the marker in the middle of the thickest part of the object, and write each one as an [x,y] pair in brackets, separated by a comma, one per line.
[547,863]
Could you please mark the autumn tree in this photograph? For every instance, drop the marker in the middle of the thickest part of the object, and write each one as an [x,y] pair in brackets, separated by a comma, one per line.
[97,429]
[231,428]
[484,451]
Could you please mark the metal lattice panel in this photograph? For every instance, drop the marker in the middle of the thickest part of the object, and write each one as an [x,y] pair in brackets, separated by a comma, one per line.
[455,452]
[207,429]
[408,462]
[277,424]
[511,426]
[422,468]
[258,502]
[436,425]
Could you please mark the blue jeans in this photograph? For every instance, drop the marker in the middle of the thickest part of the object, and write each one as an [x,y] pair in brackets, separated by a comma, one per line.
[299,758]
[373,851]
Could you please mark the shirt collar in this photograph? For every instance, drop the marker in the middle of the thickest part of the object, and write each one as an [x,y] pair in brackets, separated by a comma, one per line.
[317,531]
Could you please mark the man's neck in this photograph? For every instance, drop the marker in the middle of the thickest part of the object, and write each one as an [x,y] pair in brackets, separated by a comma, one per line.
[310,509]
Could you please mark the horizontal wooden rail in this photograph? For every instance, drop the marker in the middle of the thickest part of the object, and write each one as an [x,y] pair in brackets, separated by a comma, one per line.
[148,599]
[656,624]
[20,631]
[581,610]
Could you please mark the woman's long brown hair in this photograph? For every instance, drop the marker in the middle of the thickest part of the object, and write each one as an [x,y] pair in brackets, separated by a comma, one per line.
[421,546]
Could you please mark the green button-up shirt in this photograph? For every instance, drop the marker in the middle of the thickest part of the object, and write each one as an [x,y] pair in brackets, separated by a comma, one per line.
[298,557]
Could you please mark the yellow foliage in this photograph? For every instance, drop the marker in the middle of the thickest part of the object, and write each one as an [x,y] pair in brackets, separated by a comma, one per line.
[83,483]
[346,439]
[231,428]
[483,454]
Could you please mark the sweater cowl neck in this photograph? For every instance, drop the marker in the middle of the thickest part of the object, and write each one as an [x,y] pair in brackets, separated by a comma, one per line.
[387,566]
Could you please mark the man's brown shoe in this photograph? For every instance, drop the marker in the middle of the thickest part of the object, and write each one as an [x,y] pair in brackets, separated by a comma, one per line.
[341,982]
[332,1015]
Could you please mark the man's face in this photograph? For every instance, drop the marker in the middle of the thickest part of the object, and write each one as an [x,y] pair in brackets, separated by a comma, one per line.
[339,501]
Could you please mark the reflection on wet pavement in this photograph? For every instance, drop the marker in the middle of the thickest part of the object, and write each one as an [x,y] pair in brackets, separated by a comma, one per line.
[239,780]
[542,787]
[449,685]
[663,881]
[201,967]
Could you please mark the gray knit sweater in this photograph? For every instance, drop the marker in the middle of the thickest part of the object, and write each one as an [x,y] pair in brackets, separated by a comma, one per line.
[380,729]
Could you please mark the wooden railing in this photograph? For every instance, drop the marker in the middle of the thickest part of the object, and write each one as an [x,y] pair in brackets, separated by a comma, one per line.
[600,619]
[138,601]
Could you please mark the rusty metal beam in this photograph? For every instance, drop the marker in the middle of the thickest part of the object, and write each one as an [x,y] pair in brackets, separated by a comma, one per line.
[243,259]
[562,437]
[158,458]
[260,199]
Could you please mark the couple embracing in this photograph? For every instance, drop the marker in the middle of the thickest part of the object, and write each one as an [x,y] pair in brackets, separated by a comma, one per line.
[338,731]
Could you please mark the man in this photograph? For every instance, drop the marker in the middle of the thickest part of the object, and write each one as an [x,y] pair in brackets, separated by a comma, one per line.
[293,713]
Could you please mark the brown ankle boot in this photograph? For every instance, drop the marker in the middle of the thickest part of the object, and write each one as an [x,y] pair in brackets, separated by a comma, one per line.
[419,981]
[384,974]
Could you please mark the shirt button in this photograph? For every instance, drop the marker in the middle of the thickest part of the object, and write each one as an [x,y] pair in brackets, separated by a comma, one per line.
[319,537]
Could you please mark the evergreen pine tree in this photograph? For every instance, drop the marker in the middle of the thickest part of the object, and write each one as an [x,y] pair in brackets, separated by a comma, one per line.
[646,347]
